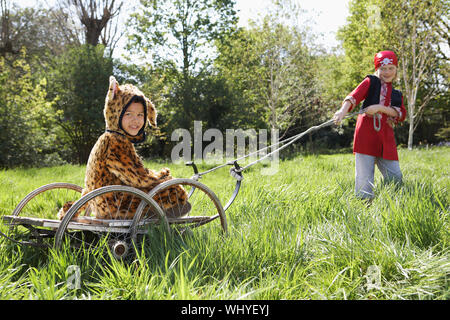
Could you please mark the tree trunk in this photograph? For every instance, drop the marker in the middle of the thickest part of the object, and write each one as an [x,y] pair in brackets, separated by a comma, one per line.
[411,114]
[411,131]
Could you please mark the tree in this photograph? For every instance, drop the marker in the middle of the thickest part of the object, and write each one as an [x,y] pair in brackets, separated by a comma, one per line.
[411,28]
[6,41]
[361,38]
[179,36]
[274,69]
[80,79]
[25,116]
[180,31]
[414,34]
[98,19]
[37,31]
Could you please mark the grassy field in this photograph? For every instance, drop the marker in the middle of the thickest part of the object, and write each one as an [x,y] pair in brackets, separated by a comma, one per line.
[299,234]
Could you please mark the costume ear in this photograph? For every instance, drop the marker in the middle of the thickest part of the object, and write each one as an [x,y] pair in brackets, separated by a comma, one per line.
[151,112]
[113,87]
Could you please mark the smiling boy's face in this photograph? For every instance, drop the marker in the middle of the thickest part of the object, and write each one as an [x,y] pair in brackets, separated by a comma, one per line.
[387,72]
[133,119]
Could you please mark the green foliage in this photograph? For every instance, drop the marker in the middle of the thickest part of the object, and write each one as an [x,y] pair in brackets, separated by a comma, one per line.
[413,34]
[413,29]
[26,117]
[195,64]
[210,100]
[361,38]
[178,35]
[273,69]
[180,30]
[80,78]
[37,29]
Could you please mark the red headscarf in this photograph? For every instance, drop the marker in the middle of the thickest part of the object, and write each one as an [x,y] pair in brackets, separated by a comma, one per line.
[383,58]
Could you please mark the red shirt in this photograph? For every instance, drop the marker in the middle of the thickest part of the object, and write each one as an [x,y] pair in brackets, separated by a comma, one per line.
[366,139]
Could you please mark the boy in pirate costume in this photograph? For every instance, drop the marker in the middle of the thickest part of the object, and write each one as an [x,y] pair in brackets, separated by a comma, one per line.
[374,141]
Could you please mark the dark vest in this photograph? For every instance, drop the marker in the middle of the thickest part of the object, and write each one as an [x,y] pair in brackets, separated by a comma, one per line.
[373,96]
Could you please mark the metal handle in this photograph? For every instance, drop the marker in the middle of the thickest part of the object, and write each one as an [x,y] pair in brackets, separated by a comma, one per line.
[376,126]
[235,172]
[196,177]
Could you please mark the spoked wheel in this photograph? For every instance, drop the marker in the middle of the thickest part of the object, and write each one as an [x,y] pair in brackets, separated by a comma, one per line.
[202,207]
[33,220]
[108,219]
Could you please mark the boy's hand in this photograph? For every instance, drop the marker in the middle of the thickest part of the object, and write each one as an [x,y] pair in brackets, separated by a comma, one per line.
[371,110]
[164,174]
[338,116]
[342,112]
[391,122]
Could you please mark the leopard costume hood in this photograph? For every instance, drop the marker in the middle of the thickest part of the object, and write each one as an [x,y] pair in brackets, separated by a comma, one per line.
[117,101]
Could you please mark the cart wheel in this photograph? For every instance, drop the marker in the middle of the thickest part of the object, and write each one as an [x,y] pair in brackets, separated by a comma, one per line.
[89,232]
[42,203]
[203,206]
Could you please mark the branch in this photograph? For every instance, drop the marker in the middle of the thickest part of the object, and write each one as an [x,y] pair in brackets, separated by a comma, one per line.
[425,102]
[62,18]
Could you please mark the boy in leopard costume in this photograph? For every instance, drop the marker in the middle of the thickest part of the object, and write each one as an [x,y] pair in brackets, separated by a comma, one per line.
[114,161]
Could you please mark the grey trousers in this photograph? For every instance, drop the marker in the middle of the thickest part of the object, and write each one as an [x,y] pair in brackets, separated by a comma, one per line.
[365,171]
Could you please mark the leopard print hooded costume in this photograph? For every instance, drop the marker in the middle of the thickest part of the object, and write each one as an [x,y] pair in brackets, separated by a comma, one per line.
[114,161]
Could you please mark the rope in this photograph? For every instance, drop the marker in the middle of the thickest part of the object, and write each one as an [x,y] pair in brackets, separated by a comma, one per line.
[291,139]
[312,129]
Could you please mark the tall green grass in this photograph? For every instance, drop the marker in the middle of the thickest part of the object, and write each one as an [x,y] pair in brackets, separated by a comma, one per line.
[299,234]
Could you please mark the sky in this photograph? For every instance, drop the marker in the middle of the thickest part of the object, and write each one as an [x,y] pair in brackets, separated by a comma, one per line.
[324,16]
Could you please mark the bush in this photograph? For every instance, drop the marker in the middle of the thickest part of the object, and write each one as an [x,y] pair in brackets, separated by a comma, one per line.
[26,117]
